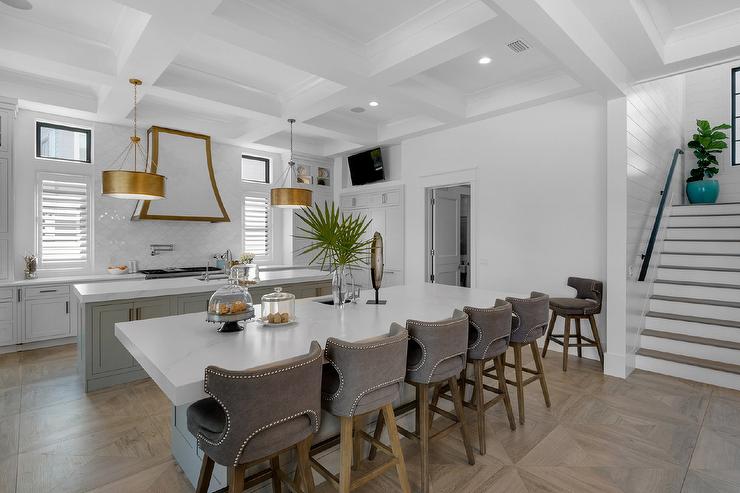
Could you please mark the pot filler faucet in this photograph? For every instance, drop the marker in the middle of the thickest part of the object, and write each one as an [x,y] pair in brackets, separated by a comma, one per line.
[156,249]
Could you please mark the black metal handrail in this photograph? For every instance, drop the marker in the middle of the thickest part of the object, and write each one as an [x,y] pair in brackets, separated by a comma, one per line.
[656,226]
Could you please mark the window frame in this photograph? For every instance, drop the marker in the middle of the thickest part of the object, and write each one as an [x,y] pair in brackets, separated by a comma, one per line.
[60,126]
[250,192]
[268,169]
[735,157]
[84,265]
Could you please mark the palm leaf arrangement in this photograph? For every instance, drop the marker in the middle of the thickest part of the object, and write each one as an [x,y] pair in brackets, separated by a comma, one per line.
[335,238]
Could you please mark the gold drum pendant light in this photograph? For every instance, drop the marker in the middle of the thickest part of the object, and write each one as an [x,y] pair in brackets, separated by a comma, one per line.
[133,185]
[290,197]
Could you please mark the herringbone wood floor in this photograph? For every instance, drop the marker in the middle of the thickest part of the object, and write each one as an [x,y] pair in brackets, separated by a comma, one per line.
[649,433]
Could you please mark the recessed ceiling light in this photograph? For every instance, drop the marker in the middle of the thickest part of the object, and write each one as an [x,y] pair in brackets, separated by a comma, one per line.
[373,103]
[484,60]
[18,4]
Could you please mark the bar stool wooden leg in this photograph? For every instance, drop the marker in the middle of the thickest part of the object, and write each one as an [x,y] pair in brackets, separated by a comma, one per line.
[540,371]
[206,471]
[460,412]
[480,406]
[597,339]
[359,425]
[519,381]
[346,446]
[550,328]
[566,341]
[378,432]
[422,409]
[277,486]
[435,401]
[235,478]
[499,366]
[578,337]
[304,465]
[396,448]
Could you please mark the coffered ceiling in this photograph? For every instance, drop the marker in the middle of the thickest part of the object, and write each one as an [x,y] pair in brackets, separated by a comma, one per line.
[237,69]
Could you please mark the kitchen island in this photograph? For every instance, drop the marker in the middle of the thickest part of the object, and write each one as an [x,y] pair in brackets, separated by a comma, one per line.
[175,351]
[97,307]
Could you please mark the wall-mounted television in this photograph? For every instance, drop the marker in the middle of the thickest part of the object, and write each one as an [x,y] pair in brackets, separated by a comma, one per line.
[366,167]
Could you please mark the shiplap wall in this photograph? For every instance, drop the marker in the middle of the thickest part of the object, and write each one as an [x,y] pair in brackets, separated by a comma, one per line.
[709,97]
[654,129]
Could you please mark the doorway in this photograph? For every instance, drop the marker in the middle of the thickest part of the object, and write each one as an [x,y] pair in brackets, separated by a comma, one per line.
[448,235]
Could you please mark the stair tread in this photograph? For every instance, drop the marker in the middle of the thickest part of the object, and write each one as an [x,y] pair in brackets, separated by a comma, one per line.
[698,284]
[703,254]
[693,339]
[705,205]
[695,301]
[722,214]
[691,267]
[689,360]
[691,318]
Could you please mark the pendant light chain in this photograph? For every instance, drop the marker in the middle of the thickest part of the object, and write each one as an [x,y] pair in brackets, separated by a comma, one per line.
[136,143]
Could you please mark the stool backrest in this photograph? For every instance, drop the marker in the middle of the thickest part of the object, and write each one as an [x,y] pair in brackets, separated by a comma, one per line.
[260,398]
[365,370]
[437,350]
[529,317]
[587,289]
[489,330]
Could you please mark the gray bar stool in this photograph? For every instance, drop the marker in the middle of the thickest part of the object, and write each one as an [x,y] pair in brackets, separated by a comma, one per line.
[585,305]
[360,378]
[529,322]
[246,422]
[436,356]
[489,334]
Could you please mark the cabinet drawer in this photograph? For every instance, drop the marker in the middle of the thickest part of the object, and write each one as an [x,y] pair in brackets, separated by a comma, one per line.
[46,291]
[6,294]
[6,311]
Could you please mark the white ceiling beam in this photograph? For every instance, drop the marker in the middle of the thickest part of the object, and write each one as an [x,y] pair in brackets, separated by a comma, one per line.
[171,25]
[563,30]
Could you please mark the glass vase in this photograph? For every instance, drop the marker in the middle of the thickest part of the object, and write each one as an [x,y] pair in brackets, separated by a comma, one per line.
[342,285]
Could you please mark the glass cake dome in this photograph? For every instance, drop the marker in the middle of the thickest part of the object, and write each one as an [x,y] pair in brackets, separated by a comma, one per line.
[278,307]
[229,305]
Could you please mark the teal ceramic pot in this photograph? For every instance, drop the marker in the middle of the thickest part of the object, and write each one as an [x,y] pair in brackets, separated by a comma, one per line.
[702,192]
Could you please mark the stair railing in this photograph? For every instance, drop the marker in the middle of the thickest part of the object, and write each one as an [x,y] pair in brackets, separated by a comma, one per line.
[656,226]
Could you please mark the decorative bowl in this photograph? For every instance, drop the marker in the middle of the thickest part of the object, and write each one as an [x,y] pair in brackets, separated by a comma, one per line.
[118,270]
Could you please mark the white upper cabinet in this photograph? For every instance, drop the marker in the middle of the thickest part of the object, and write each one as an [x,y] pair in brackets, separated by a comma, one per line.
[5,121]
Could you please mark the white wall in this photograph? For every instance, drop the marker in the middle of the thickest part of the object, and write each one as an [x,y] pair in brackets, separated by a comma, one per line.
[116,239]
[654,129]
[538,208]
[709,97]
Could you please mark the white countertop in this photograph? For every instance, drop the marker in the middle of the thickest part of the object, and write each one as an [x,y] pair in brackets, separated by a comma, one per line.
[175,351]
[71,279]
[106,291]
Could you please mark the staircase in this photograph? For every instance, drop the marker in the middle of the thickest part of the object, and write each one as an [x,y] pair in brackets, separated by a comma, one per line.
[692,329]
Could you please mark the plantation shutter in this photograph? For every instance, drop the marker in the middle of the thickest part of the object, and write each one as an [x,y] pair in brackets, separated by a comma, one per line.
[257,225]
[64,221]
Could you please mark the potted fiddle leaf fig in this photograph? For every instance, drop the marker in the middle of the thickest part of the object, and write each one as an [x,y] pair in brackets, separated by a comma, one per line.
[707,143]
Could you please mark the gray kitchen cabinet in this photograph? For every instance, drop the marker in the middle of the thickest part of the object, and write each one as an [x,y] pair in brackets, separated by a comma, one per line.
[108,354]
[192,303]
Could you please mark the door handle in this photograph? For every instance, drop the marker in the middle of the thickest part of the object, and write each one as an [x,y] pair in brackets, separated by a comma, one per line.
[66,307]
[130,314]
[19,295]
[48,291]
[138,314]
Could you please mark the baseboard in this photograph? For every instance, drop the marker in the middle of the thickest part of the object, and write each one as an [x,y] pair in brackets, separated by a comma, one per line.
[28,346]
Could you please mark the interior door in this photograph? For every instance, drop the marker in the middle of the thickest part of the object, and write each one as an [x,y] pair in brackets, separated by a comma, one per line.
[446,237]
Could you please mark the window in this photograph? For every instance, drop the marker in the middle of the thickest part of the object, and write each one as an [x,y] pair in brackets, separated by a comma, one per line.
[63,143]
[255,169]
[257,225]
[63,233]
[735,115]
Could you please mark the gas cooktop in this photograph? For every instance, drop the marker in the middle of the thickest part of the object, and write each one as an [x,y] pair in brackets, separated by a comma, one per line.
[173,272]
